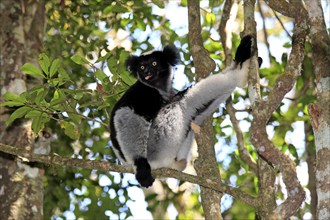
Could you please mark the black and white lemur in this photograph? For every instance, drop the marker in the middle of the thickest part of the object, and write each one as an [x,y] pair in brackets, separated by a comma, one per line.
[151,125]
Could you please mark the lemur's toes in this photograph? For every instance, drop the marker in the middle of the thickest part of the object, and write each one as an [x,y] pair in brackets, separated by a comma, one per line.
[244,50]
[145,179]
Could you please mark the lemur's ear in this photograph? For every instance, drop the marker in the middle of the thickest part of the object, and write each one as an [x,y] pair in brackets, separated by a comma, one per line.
[171,54]
[132,64]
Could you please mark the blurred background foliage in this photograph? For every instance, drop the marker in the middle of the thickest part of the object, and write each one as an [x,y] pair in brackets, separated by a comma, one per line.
[85,47]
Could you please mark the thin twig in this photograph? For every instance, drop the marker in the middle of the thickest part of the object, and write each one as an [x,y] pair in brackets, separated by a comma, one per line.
[243,152]
[223,32]
[281,23]
[264,29]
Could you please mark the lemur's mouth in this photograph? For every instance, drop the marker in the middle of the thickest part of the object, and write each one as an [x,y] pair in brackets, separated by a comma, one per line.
[148,76]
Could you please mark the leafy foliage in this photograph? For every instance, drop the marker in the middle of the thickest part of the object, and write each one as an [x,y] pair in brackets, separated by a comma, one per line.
[83,75]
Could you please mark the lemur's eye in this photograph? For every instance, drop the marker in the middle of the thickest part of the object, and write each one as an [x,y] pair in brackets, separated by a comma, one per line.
[142,67]
[154,63]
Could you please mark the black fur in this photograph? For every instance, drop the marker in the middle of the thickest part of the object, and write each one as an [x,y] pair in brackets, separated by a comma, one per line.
[243,51]
[171,55]
[143,172]
[157,135]
[144,97]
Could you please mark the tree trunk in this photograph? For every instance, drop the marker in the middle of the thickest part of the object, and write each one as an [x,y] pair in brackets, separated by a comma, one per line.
[320,111]
[206,164]
[22,29]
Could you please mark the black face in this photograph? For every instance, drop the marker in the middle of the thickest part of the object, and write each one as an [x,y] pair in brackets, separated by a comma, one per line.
[154,68]
[150,68]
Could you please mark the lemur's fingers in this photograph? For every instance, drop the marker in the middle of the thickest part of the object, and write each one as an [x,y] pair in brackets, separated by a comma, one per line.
[259,61]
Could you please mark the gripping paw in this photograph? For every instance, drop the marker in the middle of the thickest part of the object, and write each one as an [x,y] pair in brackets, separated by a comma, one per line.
[143,172]
[245,49]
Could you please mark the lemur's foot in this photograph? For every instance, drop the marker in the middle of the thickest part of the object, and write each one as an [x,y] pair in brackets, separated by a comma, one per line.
[143,172]
[246,50]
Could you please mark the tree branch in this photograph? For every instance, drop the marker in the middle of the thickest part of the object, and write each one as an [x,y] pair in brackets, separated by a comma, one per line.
[53,159]
[225,35]
[265,109]
[282,7]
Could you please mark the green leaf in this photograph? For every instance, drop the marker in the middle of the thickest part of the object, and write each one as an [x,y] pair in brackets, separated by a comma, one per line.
[41,94]
[57,99]
[19,113]
[102,58]
[33,114]
[119,9]
[287,45]
[32,70]
[293,151]
[141,24]
[78,59]
[44,62]
[54,67]
[37,125]
[72,111]
[100,75]
[11,104]
[159,3]
[127,78]
[38,122]
[115,9]
[75,118]
[70,130]
[113,65]
[13,97]
[123,56]
[63,76]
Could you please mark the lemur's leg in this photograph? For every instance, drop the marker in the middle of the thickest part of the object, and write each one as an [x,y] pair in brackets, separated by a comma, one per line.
[170,131]
[134,144]
[203,99]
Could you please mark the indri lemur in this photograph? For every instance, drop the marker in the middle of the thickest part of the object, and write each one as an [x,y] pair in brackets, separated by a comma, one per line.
[151,126]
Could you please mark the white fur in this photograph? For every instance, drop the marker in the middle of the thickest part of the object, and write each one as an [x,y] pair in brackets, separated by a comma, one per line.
[132,134]
[171,137]
[167,140]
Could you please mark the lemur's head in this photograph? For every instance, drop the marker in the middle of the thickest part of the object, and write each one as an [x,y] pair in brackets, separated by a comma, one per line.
[154,68]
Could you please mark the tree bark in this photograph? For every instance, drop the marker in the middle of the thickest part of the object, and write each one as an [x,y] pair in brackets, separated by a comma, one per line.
[311,157]
[265,172]
[320,111]
[21,185]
